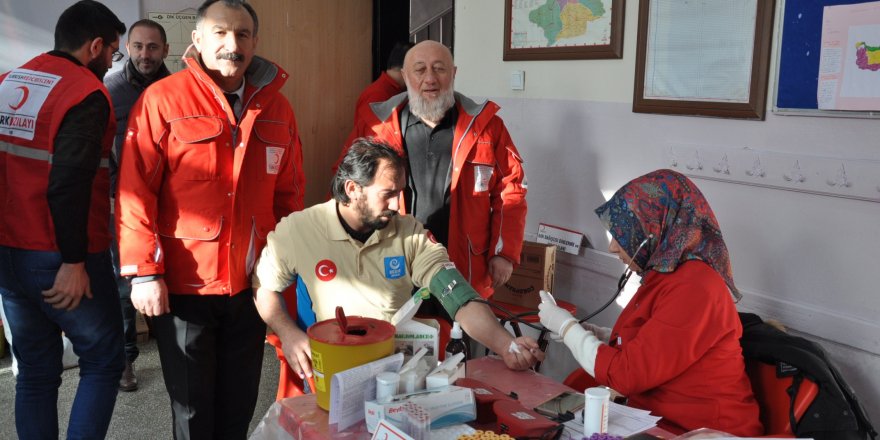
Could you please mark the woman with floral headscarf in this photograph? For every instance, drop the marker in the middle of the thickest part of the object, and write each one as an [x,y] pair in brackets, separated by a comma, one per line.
[675,348]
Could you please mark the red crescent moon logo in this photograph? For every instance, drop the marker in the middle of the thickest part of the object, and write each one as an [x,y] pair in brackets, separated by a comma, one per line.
[325,270]
[24,96]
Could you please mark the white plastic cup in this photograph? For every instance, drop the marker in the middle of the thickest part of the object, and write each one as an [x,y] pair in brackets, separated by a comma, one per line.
[386,386]
[596,411]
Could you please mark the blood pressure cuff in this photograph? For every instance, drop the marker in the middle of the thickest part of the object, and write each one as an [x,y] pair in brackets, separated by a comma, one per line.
[451,289]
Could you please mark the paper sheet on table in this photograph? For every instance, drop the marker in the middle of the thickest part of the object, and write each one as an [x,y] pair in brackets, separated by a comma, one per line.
[622,420]
[350,388]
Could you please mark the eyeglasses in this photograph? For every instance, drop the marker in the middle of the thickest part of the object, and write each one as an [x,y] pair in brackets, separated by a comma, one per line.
[117,56]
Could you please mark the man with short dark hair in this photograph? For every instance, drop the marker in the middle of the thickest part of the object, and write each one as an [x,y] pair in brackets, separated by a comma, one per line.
[147,47]
[466,180]
[355,251]
[389,83]
[211,161]
[56,132]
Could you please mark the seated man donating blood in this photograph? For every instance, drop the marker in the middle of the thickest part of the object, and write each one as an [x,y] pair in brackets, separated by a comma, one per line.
[355,251]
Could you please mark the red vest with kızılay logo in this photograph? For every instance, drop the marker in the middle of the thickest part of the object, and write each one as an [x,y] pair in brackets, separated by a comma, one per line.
[34,99]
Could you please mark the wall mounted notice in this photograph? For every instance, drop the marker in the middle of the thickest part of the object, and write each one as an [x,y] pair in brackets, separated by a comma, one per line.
[179,28]
[849,67]
[565,240]
[700,50]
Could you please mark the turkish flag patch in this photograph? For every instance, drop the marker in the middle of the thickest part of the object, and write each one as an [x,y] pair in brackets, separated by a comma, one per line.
[325,270]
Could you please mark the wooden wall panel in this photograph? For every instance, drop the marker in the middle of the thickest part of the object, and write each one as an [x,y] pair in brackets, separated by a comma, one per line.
[325,47]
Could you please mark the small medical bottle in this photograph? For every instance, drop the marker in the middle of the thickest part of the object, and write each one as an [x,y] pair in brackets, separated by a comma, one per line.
[386,386]
[596,410]
[456,344]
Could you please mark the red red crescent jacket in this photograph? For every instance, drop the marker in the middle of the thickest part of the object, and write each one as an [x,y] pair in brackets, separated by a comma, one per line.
[380,90]
[488,186]
[675,351]
[198,195]
[34,99]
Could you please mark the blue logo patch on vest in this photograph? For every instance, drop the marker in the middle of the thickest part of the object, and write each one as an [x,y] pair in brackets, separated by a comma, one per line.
[394,267]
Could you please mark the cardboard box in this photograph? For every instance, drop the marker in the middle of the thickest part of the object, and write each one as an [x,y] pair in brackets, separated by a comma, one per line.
[535,273]
[536,259]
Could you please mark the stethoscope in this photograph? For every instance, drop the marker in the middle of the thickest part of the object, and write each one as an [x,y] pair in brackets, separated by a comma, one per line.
[621,283]
[624,278]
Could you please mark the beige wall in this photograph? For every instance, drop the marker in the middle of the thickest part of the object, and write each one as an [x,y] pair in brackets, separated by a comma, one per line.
[325,47]
[479,31]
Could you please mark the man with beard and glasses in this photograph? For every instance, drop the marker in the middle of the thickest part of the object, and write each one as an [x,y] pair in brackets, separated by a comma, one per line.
[210,163]
[466,181]
[147,48]
[56,131]
[355,251]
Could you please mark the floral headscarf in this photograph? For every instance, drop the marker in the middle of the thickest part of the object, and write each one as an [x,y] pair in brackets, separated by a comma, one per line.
[669,206]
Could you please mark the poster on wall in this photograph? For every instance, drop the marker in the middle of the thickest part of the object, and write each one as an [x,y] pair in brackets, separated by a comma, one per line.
[700,52]
[703,57]
[563,29]
[849,66]
[178,28]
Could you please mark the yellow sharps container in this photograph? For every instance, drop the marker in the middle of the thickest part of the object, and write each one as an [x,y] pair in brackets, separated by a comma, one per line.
[343,343]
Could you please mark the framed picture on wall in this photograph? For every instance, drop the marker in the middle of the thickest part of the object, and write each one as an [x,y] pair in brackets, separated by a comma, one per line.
[703,57]
[563,29]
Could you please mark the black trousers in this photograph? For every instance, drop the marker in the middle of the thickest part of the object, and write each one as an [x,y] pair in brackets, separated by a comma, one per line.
[211,350]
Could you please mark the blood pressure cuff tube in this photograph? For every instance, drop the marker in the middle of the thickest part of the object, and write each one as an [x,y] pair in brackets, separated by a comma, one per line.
[449,286]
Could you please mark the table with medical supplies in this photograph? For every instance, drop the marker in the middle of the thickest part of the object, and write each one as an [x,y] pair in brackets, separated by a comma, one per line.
[302,419]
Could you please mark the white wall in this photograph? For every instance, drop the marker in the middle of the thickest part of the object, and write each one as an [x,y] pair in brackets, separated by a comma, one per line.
[28,27]
[808,260]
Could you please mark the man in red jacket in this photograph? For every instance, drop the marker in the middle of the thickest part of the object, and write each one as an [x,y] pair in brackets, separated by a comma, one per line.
[56,130]
[211,162]
[465,180]
[147,48]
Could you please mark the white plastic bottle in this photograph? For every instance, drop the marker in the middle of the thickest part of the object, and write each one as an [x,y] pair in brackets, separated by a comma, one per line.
[596,410]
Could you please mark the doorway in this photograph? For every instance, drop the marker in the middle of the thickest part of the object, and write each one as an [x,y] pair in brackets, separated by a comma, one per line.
[409,20]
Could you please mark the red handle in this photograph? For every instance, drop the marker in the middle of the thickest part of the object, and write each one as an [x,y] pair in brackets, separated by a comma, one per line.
[341,320]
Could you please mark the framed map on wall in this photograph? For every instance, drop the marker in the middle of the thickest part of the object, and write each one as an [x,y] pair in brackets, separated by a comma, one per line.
[563,29]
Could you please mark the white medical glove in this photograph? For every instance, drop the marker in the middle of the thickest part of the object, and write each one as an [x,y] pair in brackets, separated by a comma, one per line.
[584,347]
[555,318]
[603,333]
